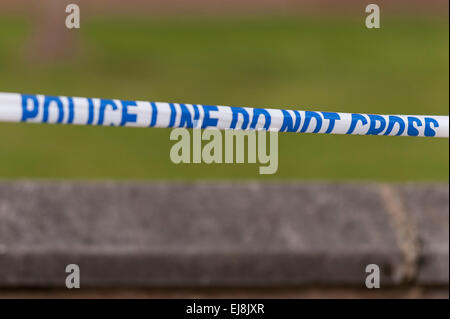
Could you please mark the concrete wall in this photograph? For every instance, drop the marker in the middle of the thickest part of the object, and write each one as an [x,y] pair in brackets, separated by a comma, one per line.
[219,236]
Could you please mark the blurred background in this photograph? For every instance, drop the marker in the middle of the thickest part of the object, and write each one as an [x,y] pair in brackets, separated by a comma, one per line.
[314,55]
[308,233]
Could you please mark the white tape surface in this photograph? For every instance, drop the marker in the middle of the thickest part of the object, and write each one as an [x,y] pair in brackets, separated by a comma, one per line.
[16,107]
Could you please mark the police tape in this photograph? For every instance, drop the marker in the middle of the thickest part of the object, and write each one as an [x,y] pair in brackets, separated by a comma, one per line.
[16,107]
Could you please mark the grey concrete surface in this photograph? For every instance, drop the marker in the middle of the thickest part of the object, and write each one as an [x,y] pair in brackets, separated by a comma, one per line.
[429,210]
[222,234]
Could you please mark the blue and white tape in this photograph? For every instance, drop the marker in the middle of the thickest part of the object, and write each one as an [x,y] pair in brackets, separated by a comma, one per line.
[16,107]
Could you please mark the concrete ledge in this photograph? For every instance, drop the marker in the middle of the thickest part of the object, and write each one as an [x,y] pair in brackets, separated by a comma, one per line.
[222,234]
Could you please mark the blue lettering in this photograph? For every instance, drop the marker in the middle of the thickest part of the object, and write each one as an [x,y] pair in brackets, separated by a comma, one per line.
[308,116]
[71,111]
[173,114]
[29,114]
[127,117]
[91,112]
[236,111]
[196,115]
[186,118]
[428,130]
[332,117]
[288,125]
[154,114]
[256,114]
[392,120]
[207,120]
[355,119]
[412,131]
[373,129]
[47,101]
[103,105]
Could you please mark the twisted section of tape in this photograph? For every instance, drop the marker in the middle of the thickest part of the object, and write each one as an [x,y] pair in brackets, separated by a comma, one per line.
[16,107]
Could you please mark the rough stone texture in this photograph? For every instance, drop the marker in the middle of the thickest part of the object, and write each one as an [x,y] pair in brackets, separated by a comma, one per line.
[429,208]
[215,234]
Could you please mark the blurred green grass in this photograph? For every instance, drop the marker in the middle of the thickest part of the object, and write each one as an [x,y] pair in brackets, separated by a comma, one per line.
[320,63]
